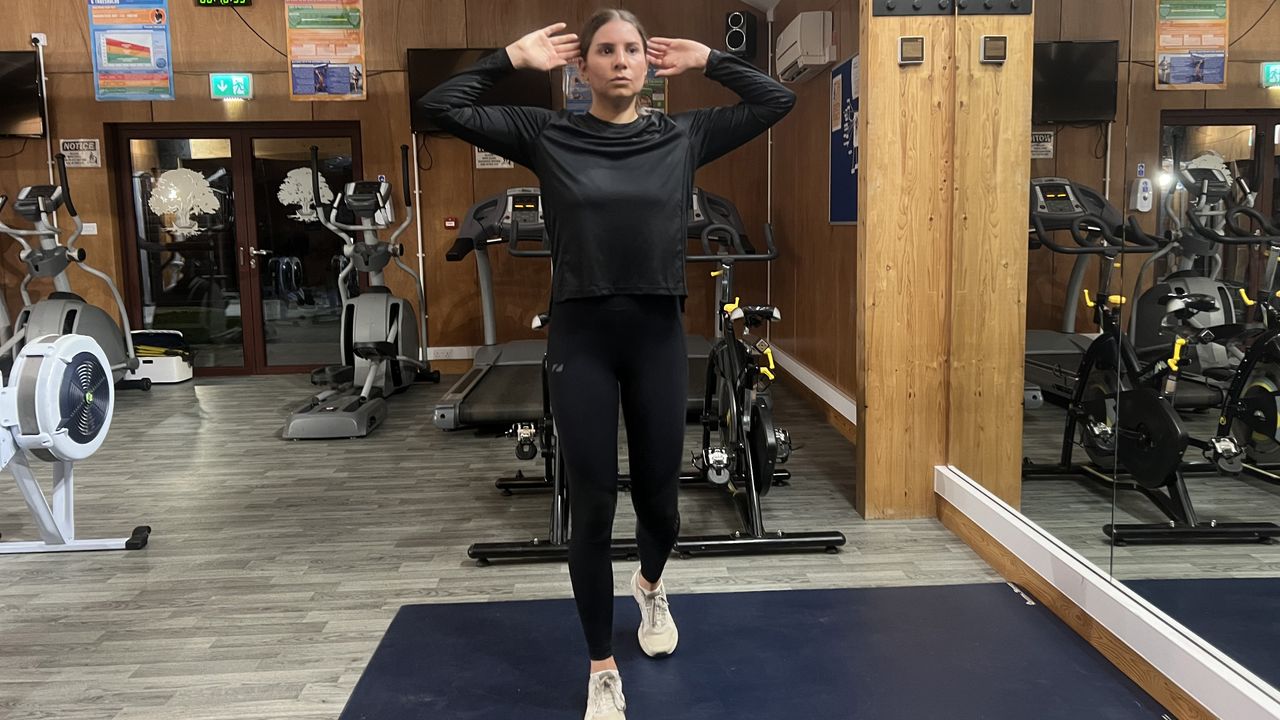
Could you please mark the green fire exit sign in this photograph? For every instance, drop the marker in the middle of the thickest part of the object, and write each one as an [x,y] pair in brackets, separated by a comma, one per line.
[1270,74]
[231,86]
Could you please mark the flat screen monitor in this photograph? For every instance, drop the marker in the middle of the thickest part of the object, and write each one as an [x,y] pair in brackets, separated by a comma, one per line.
[20,111]
[1075,82]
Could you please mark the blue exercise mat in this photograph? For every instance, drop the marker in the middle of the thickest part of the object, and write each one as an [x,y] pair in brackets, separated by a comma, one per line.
[956,652]
[1241,617]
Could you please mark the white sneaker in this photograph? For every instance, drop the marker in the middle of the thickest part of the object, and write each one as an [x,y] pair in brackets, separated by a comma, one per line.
[658,634]
[604,697]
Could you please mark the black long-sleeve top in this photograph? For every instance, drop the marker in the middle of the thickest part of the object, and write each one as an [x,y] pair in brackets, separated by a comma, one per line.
[615,196]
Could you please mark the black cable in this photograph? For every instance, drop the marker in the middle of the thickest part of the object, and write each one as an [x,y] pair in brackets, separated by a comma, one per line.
[20,150]
[422,146]
[1261,17]
[1099,152]
[255,32]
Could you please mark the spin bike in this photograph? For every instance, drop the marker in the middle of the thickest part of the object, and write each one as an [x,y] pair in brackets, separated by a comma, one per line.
[741,448]
[1122,408]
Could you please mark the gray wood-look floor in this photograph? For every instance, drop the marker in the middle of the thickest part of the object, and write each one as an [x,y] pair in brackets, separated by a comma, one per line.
[1076,511]
[275,567]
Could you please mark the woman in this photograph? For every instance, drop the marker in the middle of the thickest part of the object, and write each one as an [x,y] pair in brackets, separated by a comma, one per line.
[616,184]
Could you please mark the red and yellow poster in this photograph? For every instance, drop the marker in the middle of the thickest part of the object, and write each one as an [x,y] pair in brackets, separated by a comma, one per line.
[326,49]
[1191,44]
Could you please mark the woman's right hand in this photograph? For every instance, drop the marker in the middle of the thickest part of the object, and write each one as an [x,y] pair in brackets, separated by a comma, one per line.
[544,50]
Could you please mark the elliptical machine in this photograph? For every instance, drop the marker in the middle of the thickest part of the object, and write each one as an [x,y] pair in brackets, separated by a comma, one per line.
[380,349]
[63,312]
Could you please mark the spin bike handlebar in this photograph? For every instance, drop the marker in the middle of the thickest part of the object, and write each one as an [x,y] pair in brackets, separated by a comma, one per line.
[513,242]
[735,242]
[1236,236]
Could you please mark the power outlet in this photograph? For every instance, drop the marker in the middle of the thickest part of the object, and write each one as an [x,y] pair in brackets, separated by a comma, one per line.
[90,229]
[40,39]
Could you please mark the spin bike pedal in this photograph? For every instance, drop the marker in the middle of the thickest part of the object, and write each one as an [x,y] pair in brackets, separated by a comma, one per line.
[1227,455]
[526,441]
[783,439]
[714,464]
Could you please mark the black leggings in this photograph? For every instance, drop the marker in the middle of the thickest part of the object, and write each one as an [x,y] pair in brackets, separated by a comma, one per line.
[602,350]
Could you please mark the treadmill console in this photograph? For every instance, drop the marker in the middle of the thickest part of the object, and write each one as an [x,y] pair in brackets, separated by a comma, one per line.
[1056,197]
[524,206]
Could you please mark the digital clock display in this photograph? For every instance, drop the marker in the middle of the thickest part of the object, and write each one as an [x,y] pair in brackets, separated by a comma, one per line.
[223,3]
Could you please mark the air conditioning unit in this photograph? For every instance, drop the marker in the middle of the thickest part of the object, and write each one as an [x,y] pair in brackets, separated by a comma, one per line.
[805,47]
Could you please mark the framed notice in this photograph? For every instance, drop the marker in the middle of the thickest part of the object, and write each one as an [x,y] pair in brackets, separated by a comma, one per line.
[326,49]
[1192,41]
[132,54]
[843,169]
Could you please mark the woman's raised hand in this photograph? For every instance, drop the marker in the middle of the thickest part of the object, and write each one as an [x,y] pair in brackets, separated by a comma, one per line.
[544,50]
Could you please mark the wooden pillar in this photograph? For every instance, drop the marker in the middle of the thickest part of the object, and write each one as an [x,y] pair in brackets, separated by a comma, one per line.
[989,252]
[905,126]
[942,253]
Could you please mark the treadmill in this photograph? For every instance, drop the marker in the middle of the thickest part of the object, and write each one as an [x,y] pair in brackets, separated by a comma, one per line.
[1053,356]
[504,386]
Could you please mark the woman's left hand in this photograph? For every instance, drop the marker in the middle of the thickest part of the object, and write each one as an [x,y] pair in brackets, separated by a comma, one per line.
[674,56]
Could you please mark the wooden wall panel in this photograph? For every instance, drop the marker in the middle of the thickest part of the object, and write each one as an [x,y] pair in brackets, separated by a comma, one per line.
[402,24]
[903,259]
[989,253]
[497,23]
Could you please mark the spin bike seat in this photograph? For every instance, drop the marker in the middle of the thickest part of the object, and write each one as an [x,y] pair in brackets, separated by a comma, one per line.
[381,349]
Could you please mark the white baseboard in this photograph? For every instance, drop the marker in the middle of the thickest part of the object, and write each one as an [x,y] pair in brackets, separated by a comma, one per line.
[1213,679]
[819,386]
[451,353]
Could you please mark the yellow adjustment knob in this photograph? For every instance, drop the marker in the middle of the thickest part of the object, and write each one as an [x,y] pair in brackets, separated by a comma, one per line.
[769,354]
[732,306]
[1117,265]
[1117,299]
[766,372]
[1177,354]
[1088,300]
[1245,296]
[717,273]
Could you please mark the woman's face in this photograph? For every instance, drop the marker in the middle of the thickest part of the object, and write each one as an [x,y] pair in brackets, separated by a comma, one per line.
[615,65]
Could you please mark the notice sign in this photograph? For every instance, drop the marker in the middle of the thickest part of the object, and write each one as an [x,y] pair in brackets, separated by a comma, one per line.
[132,55]
[488,161]
[842,171]
[1191,44]
[1041,146]
[326,49]
[86,153]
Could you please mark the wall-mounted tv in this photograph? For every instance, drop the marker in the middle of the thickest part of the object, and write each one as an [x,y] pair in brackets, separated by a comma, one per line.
[1075,82]
[20,111]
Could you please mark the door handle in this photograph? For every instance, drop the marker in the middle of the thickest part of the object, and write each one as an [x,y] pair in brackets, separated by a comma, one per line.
[258,252]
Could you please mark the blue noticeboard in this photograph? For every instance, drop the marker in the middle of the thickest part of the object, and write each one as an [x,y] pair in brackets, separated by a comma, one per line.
[844,143]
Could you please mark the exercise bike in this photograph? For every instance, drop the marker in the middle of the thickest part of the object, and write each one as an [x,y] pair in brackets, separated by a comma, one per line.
[380,349]
[64,312]
[56,407]
[740,450]
[1122,409]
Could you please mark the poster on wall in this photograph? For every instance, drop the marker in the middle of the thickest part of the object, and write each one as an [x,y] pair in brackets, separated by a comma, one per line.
[844,143]
[132,53]
[577,93]
[1191,44]
[326,49]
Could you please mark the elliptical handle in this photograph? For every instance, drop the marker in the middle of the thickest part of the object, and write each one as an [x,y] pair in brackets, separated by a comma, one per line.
[404,175]
[1137,236]
[315,179]
[513,241]
[1272,233]
[66,187]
